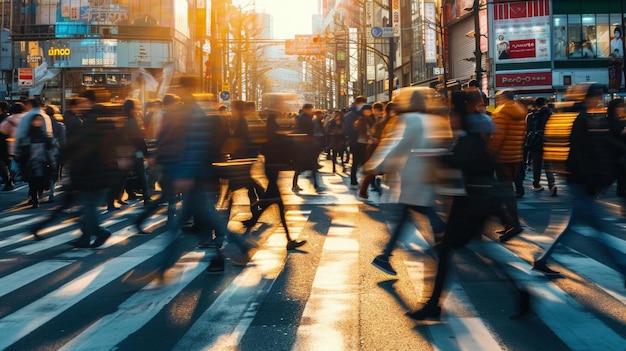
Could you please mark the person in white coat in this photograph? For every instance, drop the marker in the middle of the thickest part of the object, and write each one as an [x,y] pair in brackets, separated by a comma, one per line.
[407,154]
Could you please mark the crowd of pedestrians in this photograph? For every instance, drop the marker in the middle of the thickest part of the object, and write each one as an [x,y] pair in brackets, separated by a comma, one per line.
[401,144]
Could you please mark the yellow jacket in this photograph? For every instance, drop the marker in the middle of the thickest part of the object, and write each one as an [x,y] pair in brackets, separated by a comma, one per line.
[507,142]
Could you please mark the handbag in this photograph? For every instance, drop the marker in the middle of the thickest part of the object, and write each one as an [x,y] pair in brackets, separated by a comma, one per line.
[450,182]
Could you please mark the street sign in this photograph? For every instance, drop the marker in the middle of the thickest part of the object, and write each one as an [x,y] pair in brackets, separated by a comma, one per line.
[25,77]
[377,32]
[388,32]
[225,95]
[439,71]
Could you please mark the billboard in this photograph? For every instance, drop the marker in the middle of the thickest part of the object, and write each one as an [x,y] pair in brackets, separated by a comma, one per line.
[521,31]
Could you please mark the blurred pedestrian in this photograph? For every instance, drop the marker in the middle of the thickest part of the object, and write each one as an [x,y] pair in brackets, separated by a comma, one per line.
[364,139]
[507,146]
[59,140]
[8,127]
[616,118]
[406,152]
[591,166]
[335,132]
[5,161]
[537,129]
[305,151]
[136,137]
[468,213]
[351,115]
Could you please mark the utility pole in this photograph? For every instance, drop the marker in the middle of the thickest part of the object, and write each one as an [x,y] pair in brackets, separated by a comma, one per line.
[392,50]
[478,53]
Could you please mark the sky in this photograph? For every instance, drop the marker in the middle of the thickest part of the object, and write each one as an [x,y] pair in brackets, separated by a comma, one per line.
[290,16]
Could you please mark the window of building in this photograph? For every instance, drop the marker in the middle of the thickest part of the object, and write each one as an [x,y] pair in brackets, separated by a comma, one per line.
[603,36]
[559,38]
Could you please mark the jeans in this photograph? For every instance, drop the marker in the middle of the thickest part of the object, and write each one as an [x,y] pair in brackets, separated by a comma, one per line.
[537,166]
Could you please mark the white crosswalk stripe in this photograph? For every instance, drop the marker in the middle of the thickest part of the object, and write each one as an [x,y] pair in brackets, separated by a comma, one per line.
[329,318]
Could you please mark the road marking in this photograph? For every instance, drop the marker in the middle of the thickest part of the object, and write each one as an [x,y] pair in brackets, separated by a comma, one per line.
[556,308]
[139,309]
[22,322]
[330,319]
[26,236]
[28,275]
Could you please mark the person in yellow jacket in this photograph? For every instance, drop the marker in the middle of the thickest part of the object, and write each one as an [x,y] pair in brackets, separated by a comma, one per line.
[507,149]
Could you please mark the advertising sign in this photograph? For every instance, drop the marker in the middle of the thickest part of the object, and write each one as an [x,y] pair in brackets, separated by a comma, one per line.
[522,32]
[430,34]
[25,77]
[524,79]
[395,20]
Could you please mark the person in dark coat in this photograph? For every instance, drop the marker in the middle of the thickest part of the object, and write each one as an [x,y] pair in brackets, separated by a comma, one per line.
[351,115]
[616,118]
[590,164]
[538,125]
[36,159]
[336,134]
[5,161]
[137,139]
[305,151]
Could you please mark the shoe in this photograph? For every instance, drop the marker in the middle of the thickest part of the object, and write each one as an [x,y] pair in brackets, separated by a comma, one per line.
[8,187]
[141,231]
[80,243]
[427,312]
[382,262]
[36,204]
[122,202]
[363,195]
[523,304]
[190,228]
[293,244]
[502,231]
[354,186]
[537,188]
[296,189]
[553,190]
[216,265]
[541,266]
[104,235]
[519,195]
[208,245]
[511,232]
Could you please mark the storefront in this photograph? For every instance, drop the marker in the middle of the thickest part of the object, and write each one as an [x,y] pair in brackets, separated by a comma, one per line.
[65,67]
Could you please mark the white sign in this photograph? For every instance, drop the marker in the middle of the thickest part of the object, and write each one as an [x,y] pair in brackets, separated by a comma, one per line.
[438,71]
[395,17]
[388,32]
[430,34]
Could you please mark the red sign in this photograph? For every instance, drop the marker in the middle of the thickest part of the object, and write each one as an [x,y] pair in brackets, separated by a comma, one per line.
[523,79]
[25,77]
[522,49]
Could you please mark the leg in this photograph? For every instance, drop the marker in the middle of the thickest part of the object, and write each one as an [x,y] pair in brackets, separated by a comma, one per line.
[505,174]
[294,182]
[537,165]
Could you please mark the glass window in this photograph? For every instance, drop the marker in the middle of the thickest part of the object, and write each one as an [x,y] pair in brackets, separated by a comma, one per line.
[559,37]
[574,36]
[603,36]
[589,36]
[616,34]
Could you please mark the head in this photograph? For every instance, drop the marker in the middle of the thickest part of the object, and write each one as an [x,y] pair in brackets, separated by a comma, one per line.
[222,109]
[131,107]
[473,84]
[171,102]
[474,102]
[504,96]
[359,101]
[617,32]
[338,115]
[308,109]
[391,109]
[365,110]
[50,111]
[540,102]
[593,96]
[76,104]
[17,107]
[377,108]
[32,103]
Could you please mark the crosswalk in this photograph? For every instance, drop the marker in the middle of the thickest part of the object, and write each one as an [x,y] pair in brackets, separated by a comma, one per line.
[323,296]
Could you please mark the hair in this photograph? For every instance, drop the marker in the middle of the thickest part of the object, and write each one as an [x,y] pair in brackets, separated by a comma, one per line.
[377,106]
[170,99]
[4,106]
[540,102]
[49,110]
[75,101]
[16,107]
[34,102]
[618,29]
[129,104]
[338,112]
[390,106]
[90,95]
[360,99]
[612,106]
[473,83]
[307,106]
[594,90]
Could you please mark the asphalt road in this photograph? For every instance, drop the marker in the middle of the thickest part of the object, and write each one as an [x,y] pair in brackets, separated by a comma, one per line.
[323,296]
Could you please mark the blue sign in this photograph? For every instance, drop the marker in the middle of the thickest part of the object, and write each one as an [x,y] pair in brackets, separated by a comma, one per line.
[225,95]
[377,32]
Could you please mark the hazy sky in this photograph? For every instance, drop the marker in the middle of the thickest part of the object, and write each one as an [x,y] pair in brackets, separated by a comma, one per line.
[290,16]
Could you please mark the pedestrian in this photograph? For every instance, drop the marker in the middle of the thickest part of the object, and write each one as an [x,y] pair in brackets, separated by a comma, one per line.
[591,169]
[537,129]
[468,213]
[36,159]
[336,134]
[363,140]
[136,138]
[276,160]
[167,154]
[350,116]
[5,161]
[414,131]
[305,151]
[59,140]
[616,118]
[507,146]
[8,127]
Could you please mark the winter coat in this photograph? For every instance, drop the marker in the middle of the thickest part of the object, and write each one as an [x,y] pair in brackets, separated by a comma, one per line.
[8,127]
[406,150]
[336,133]
[507,143]
[36,158]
